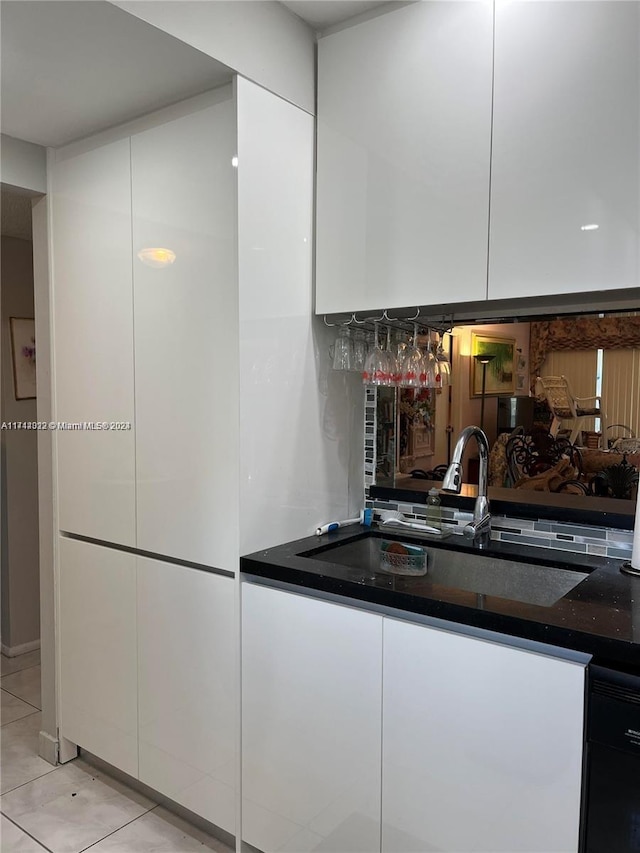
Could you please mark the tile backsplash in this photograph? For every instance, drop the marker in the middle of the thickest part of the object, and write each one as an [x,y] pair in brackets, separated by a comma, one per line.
[542,533]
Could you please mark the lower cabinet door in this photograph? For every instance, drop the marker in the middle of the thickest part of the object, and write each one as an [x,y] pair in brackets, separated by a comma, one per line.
[186,687]
[97,636]
[482,745]
[311,705]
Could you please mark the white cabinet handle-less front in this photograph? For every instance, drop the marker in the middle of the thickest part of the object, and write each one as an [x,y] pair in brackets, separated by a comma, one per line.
[482,745]
[311,703]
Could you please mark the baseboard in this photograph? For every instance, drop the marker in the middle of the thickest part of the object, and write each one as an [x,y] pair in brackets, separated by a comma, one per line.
[48,747]
[22,649]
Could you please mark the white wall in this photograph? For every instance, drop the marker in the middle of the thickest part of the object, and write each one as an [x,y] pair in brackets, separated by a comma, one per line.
[260,39]
[299,421]
[20,544]
[23,164]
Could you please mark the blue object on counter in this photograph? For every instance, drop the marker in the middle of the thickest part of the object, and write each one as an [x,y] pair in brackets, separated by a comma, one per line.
[365,518]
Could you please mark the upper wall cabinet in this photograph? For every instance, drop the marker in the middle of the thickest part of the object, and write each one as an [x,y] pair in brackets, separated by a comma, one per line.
[94,341]
[565,171]
[404,130]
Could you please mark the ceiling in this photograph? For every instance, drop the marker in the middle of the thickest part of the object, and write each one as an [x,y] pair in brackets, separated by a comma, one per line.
[71,69]
[321,14]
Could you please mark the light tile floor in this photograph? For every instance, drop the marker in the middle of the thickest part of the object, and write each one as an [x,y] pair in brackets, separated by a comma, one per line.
[72,807]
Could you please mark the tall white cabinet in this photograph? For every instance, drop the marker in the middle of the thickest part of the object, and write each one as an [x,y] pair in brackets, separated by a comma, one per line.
[565,176]
[155,346]
[404,135]
[93,359]
[186,337]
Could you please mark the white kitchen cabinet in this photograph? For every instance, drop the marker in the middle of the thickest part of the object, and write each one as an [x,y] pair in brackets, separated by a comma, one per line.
[565,177]
[97,638]
[186,687]
[482,745]
[186,336]
[156,347]
[311,705]
[404,133]
[93,341]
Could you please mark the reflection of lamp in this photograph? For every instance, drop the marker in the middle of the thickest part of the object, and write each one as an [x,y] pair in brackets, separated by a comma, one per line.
[484,360]
[157,257]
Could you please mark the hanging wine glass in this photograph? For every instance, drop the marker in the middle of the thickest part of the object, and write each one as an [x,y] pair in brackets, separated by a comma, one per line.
[444,364]
[359,350]
[392,369]
[375,372]
[412,364]
[429,374]
[343,350]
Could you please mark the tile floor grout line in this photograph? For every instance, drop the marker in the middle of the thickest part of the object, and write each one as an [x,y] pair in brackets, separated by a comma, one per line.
[22,784]
[23,717]
[33,838]
[15,696]
[26,702]
[128,823]
[16,671]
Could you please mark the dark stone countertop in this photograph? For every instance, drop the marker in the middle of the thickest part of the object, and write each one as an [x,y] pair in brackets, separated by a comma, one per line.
[600,616]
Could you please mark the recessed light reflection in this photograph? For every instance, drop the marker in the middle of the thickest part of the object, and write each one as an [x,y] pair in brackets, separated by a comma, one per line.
[157,257]
[234,162]
[592,226]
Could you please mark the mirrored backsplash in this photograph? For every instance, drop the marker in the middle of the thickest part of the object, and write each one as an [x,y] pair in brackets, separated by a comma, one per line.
[597,540]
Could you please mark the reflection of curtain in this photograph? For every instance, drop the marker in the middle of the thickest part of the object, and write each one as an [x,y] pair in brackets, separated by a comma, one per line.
[580,368]
[580,333]
[621,389]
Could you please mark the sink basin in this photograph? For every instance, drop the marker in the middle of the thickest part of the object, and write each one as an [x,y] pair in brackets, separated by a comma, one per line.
[473,572]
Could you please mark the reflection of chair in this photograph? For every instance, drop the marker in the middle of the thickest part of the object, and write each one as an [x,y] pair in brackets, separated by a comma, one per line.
[565,407]
[534,454]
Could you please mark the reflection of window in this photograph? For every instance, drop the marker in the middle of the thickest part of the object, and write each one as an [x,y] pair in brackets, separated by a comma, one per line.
[581,369]
[621,388]
[612,373]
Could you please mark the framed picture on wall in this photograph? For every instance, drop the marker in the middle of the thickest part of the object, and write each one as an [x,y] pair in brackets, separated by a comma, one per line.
[500,371]
[23,354]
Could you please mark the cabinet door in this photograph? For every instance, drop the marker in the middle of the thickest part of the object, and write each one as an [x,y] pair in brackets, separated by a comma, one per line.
[482,745]
[565,178]
[97,634]
[404,129]
[311,704]
[186,337]
[93,340]
[186,683]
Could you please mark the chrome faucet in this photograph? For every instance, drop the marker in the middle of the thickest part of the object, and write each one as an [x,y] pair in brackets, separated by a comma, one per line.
[481,523]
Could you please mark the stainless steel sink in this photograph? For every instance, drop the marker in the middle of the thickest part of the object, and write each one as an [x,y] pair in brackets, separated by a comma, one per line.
[472,572]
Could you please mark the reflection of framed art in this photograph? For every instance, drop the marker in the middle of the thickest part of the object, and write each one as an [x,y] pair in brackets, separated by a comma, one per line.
[23,353]
[501,377]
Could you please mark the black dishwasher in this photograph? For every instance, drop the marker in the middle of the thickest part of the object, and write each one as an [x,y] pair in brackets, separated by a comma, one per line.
[613,763]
